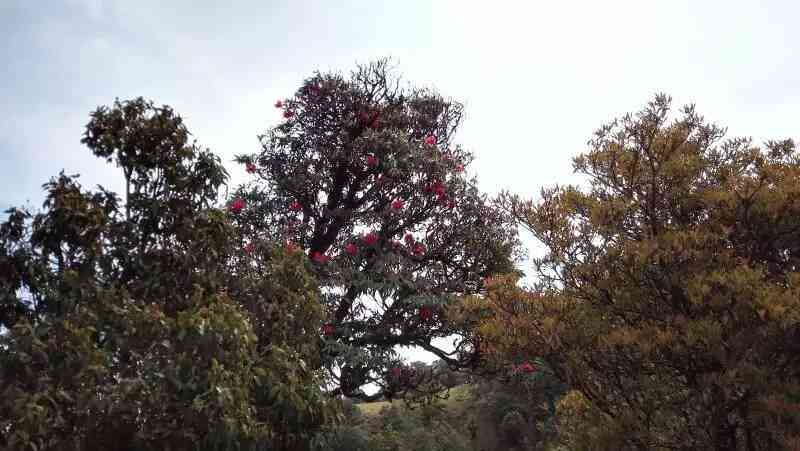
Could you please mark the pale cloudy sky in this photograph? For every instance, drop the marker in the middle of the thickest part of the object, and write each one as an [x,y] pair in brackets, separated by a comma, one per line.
[537,77]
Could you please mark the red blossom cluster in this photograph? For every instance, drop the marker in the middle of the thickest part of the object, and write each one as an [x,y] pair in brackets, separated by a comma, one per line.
[237,205]
[370,239]
[319,257]
[425,313]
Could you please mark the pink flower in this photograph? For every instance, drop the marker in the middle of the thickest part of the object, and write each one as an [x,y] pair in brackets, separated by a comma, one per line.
[313,89]
[291,248]
[527,367]
[288,113]
[351,249]
[376,121]
[425,313]
[398,204]
[249,247]
[328,329]
[320,258]
[409,238]
[372,160]
[430,140]
[396,372]
[428,188]
[419,249]
[382,179]
[279,104]
[438,188]
[295,206]
[460,168]
[250,168]
[370,239]
[451,203]
[237,205]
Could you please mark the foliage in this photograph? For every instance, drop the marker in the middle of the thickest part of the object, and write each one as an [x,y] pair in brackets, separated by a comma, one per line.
[668,296]
[147,325]
[362,176]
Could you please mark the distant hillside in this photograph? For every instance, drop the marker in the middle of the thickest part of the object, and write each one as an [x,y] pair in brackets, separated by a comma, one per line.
[464,421]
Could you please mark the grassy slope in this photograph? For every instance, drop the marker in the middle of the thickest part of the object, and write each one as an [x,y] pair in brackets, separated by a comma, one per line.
[459,398]
[459,408]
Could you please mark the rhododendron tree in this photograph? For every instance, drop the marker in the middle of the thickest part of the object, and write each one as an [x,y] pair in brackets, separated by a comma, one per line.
[371,161]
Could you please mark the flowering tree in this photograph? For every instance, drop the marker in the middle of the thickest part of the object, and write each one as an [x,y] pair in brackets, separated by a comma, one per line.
[362,176]
[152,324]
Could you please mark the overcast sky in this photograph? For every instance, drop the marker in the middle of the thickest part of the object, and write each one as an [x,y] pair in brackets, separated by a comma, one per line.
[537,77]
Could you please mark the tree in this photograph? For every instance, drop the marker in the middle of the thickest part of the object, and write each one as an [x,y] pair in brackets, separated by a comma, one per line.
[668,296]
[152,324]
[363,177]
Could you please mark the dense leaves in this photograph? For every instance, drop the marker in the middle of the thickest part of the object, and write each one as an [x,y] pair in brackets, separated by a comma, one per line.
[146,324]
[363,177]
[668,296]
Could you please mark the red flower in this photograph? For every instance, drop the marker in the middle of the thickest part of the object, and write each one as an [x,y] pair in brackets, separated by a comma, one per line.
[527,367]
[398,204]
[363,117]
[279,104]
[320,258]
[451,203]
[351,249]
[250,168]
[328,330]
[295,206]
[419,249]
[313,89]
[425,313]
[397,372]
[370,239]
[291,248]
[249,247]
[428,188]
[460,168]
[442,198]
[237,205]
[409,238]
[288,113]
[372,160]
[430,140]
[376,121]
[438,188]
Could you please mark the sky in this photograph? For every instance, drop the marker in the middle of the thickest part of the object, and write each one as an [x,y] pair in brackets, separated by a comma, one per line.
[537,78]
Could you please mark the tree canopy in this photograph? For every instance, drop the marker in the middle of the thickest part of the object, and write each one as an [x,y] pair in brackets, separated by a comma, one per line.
[363,176]
[148,323]
[667,299]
